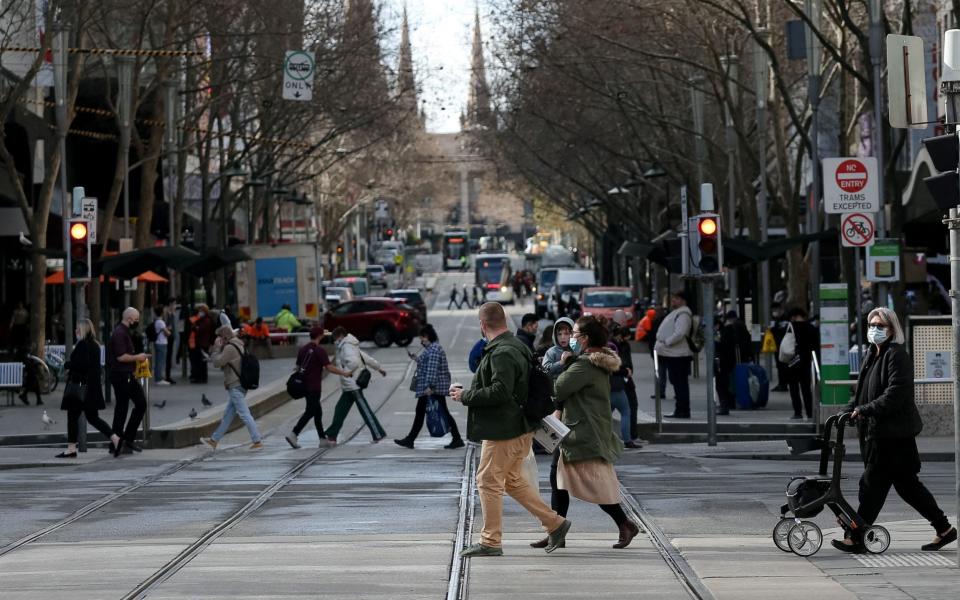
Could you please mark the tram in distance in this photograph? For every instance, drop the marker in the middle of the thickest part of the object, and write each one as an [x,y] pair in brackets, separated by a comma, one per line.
[456,245]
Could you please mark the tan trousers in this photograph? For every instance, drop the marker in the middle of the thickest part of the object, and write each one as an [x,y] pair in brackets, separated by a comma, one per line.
[501,470]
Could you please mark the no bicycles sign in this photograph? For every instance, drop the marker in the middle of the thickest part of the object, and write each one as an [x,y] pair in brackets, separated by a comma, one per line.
[856,230]
[850,184]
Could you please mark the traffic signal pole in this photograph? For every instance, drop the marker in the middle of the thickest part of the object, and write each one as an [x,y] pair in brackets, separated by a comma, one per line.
[61,37]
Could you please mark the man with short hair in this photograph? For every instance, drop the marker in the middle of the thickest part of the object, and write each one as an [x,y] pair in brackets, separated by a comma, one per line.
[313,361]
[122,363]
[495,417]
[528,330]
[674,353]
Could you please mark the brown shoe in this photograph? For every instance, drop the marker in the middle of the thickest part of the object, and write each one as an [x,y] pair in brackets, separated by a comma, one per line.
[628,531]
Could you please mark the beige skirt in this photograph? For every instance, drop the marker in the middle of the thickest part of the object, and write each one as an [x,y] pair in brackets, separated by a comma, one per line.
[592,480]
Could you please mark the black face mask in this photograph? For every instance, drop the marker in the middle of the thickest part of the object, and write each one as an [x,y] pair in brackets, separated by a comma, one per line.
[134,325]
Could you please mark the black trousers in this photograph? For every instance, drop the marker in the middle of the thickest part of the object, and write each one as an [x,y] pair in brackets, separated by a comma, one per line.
[678,372]
[799,383]
[632,400]
[896,463]
[127,390]
[198,366]
[313,411]
[93,417]
[727,399]
[421,414]
[560,499]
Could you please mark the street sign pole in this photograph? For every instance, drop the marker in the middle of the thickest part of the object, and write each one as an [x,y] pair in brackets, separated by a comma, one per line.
[858,302]
[708,302]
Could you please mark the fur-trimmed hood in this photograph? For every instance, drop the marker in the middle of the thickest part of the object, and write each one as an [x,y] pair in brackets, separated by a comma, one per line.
[605,359]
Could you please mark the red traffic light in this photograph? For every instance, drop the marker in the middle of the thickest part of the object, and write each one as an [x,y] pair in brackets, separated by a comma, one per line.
[78,231]
[708,226]
[389,232]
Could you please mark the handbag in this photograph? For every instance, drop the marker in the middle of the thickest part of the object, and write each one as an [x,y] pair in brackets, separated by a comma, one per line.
[436,422]
[296,383]
[413,383]
[363,378]
[788,346]
[74,393]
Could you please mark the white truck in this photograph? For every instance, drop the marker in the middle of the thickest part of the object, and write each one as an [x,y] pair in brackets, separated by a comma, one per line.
[279,275]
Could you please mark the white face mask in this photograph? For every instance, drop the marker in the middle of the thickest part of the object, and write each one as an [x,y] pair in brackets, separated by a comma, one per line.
[877,335]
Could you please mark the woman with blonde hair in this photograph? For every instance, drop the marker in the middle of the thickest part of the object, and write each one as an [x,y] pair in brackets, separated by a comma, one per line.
[888,422]
[83,393]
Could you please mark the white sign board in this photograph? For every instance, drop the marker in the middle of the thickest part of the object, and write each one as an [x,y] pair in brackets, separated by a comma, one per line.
[906,82]
[850,185]
[298,70]
[88,211]
[939,365]
[857,230]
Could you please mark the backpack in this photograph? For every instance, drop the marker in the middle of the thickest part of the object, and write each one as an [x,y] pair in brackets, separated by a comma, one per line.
[152,331]
[249,373]
[540,393]
[697,337]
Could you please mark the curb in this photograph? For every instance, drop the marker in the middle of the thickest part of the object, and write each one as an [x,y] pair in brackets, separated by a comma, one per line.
[815,456]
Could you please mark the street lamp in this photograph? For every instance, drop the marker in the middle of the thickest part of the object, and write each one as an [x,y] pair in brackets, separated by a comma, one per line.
[812,10]
[125,66]
[61,37]
[731,69]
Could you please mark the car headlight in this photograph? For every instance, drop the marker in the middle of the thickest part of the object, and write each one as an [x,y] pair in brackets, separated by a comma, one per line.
[503,289]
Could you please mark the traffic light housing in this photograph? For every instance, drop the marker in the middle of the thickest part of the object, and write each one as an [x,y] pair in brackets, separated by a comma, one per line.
[706,244]
[79,257]
[943,186]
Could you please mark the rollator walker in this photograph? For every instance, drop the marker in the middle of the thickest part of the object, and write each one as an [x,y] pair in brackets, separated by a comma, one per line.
[807,495]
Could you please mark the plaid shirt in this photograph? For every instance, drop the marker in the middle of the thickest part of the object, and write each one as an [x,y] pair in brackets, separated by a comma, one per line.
[432,371]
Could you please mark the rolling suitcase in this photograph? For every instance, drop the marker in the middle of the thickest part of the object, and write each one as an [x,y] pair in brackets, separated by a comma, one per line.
[751,386]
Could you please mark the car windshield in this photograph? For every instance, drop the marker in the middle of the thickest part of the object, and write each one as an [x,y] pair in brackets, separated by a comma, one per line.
[607,299]
[374,269]
[410,297]
[547,279]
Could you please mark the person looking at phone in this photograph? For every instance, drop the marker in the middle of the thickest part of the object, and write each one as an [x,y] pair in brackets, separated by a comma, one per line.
[122,363]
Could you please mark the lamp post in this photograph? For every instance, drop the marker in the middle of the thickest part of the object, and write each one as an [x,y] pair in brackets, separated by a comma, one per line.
[731,69]
[812,9]
[761,74]
[125,66]
[61,37]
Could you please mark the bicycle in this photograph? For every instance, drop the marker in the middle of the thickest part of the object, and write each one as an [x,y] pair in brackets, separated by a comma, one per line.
[48,372]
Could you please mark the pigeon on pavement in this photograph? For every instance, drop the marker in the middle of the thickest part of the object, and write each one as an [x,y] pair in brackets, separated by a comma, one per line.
[193,413]
[204,401]
[47,421]
[160,404]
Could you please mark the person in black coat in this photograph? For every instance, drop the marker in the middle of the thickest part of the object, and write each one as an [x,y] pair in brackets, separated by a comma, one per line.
[798,370]
[888,422]
[84,368]
[734,347]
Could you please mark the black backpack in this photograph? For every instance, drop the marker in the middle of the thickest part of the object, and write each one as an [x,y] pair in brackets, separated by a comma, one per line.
[540,393]
[249,373]
[152,331]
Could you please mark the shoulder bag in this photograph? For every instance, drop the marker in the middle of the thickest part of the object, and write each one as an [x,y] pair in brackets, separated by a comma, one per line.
[788,346]
[363,378]
[296,383]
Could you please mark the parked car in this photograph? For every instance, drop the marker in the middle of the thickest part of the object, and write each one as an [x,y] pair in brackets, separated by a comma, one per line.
[377,275]
[414,298]
[603,301]
[379,319]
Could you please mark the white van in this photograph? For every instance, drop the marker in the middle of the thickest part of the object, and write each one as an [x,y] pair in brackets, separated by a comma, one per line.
[568,284]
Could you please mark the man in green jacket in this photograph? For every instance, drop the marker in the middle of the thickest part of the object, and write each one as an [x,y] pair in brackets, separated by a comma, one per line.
[285,319]
[495,416]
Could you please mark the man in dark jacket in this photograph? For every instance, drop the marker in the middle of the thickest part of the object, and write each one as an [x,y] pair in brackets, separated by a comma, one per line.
[528,330]
[735,347]
[495,416]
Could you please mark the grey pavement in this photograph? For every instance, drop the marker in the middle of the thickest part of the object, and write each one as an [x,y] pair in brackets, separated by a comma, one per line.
[366,520]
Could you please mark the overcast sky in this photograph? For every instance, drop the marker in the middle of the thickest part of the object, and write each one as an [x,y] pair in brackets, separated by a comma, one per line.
[441,33]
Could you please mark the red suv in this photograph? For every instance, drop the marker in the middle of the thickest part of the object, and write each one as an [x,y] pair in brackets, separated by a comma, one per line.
[382,320]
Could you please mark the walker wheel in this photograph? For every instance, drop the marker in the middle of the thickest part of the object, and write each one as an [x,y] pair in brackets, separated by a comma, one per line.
[876,539]
[805,538]
[781,531]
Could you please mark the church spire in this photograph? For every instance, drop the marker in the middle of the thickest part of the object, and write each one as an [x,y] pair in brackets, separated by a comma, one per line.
[406,80]
[479,112]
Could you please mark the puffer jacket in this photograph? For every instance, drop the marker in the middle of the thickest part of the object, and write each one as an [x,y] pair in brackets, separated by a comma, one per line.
[884,398]
[351,358]
[551,360]
[673,332]
[584,392]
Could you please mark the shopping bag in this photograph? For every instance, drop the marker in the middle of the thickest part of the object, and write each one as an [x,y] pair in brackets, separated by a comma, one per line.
[436,422]
[529,467]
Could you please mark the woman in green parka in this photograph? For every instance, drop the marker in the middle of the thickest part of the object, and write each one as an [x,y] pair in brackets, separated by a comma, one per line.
[587,455]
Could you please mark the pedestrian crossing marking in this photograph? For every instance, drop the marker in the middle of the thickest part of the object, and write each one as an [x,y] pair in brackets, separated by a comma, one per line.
[905,559]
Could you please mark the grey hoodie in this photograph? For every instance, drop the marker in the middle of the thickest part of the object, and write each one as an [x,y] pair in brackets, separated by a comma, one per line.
[551,360]
[351,358]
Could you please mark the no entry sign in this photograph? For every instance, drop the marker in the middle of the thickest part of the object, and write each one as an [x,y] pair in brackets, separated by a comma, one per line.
[850,185]
[856,230]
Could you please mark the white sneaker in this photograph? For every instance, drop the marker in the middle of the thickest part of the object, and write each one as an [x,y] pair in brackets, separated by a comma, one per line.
[292,440]
[326,443]
[210,442]
[161,382]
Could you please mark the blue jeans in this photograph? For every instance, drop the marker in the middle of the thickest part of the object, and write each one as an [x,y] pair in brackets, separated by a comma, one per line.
[159,362]
[619,403]
[236,405]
